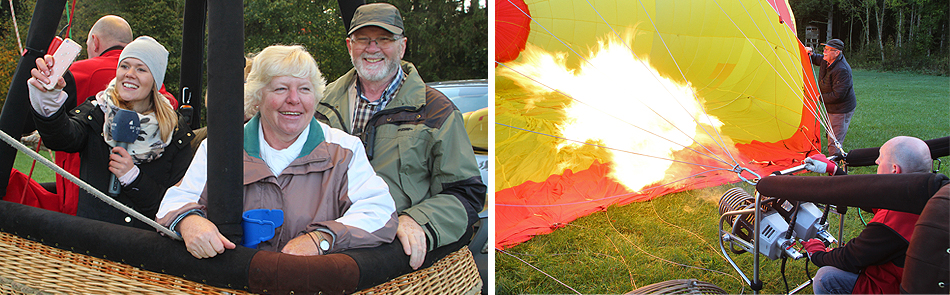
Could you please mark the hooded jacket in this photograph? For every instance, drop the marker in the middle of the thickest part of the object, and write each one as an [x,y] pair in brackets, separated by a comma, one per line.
[419,146]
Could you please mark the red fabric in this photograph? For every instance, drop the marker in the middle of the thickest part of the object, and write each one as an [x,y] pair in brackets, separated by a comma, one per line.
[563,198]
[584,191]
[886,278]
[511,29]
[92,76]
[784,12]
[24,190]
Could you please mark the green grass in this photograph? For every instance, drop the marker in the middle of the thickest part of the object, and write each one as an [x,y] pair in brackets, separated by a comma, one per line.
[676,236]
[41,173]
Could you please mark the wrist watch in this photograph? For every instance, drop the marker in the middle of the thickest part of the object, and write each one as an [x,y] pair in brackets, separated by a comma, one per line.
[322,242]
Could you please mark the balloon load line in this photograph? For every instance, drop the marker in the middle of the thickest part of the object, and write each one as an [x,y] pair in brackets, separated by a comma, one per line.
[613,149]
[653,256]
[641,191]
[819,114]
[538,269]
[721,144]
[711,155]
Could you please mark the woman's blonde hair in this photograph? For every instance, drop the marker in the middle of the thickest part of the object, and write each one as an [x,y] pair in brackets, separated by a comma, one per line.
[276,61]
[166,115]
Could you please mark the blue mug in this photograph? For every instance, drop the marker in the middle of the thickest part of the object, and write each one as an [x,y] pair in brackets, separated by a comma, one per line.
[259,225]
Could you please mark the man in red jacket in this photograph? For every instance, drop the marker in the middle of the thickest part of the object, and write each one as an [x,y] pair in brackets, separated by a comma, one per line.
[873,262]
[107,37]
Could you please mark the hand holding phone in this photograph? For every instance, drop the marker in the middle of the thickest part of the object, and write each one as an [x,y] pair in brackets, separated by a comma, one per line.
[62,58]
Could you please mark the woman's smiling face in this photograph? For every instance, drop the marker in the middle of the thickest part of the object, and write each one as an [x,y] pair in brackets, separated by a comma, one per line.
[133,80]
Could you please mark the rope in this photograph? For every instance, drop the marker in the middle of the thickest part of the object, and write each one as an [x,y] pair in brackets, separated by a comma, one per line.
[39,144]
[538,269]
[16,28]
[721,145]
[72,14]
[607,147]
[610,197]
[82,184]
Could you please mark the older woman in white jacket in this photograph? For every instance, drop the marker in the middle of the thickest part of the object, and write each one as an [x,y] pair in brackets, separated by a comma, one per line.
[319,176]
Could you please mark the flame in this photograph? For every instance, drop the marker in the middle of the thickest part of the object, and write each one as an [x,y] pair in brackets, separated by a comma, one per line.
[621,102]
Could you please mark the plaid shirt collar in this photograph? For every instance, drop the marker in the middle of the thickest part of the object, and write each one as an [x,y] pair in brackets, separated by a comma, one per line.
[366,109]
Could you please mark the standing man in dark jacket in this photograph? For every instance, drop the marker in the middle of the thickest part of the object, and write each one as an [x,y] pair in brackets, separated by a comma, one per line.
[837,91]
[873,262]
[414,136]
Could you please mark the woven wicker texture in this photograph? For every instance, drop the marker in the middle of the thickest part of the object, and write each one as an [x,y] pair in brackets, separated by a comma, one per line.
[28,267]
[454,274]
[683,286]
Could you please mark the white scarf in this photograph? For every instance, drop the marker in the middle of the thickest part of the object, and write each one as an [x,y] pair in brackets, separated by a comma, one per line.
[148,144]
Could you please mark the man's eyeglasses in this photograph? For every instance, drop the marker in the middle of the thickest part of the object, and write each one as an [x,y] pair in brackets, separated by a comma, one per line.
[381,42]
[829,49]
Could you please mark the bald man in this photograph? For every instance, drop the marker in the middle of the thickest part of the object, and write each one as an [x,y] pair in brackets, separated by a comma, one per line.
[873,262]
[108,33]
[107,37]
[106,40]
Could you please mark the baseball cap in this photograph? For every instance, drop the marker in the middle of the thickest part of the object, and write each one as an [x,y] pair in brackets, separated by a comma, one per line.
[383,15]
[835,43]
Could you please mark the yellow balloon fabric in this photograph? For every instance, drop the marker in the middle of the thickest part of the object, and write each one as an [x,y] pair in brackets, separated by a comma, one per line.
[738,55]
[741,59]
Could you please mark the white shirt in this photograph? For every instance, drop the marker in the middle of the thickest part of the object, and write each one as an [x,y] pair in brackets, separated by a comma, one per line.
[277,160]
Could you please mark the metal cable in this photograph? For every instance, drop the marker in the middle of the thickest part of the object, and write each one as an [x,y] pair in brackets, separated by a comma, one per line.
[82,184]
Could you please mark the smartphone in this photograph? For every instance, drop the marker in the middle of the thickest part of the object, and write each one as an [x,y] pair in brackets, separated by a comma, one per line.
[62,58]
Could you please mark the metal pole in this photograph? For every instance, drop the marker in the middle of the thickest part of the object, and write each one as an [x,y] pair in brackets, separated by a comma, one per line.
[192,58]
[16,109]
[756,284]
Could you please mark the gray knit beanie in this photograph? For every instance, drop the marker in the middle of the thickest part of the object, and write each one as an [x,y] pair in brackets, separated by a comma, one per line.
[151,53]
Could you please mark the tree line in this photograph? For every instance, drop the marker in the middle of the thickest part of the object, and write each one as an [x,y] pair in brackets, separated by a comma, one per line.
[448,40]
[888,35]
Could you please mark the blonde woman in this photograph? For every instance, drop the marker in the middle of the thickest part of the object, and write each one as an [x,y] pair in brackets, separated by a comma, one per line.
[156,160]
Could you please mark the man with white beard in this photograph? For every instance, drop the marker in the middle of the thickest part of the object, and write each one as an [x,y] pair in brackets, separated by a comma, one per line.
[414,137]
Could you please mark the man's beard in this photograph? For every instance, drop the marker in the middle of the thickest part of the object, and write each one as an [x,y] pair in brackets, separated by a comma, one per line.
[379,72]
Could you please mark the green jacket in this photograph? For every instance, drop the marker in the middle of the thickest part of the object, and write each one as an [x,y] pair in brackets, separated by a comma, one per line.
[419,146]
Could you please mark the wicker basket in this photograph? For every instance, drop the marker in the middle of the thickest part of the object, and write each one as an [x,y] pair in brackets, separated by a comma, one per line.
[28,267]
[454,274]
[684,286]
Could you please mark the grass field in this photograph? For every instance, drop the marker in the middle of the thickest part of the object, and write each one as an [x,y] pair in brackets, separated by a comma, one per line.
[40,173]
[676,236]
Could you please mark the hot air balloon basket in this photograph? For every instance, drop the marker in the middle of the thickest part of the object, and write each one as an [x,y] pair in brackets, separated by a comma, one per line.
[454,274]
[28,267]
[683,286]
